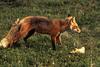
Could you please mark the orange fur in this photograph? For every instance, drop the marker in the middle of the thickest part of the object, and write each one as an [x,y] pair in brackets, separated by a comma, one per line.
[27,26]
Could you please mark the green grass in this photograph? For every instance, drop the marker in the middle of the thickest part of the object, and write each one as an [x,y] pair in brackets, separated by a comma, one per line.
[40,54]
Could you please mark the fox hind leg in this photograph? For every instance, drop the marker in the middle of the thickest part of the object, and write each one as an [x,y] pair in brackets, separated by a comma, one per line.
[29,34]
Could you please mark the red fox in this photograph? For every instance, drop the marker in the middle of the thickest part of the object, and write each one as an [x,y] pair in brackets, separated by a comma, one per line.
[27,26]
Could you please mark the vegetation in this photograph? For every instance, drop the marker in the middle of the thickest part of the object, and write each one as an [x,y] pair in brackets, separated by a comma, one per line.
[40,54]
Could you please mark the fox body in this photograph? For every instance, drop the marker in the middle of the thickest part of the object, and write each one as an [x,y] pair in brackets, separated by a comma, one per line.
[27,26]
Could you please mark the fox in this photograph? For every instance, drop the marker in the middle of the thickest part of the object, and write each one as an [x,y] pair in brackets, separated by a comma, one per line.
[27,26]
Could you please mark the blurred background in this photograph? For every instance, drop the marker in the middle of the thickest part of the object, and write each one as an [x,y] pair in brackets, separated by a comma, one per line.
[40,54]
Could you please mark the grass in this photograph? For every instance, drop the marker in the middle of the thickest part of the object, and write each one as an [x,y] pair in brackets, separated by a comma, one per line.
[40,53]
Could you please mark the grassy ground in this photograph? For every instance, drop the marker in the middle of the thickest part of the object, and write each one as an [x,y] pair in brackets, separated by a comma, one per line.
[40,54]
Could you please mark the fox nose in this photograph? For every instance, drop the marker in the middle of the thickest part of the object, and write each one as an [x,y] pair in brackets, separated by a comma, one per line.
[79,30]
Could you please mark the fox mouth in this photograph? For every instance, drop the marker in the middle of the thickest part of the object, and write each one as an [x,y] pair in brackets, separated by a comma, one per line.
[76,30]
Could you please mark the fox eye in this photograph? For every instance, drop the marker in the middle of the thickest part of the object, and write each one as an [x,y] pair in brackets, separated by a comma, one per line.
[74,27]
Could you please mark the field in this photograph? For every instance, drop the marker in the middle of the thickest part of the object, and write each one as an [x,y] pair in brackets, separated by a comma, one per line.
[40,54]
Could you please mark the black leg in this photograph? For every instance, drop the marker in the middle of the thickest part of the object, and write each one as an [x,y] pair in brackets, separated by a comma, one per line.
[53,42]
[53,45]
[26,43]
[27,36]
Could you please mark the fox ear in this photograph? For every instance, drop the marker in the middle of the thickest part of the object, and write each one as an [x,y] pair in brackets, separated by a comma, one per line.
[73,18]
[68,15]
[17,21]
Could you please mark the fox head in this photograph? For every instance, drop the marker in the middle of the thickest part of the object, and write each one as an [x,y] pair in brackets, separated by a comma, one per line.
[73,24]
